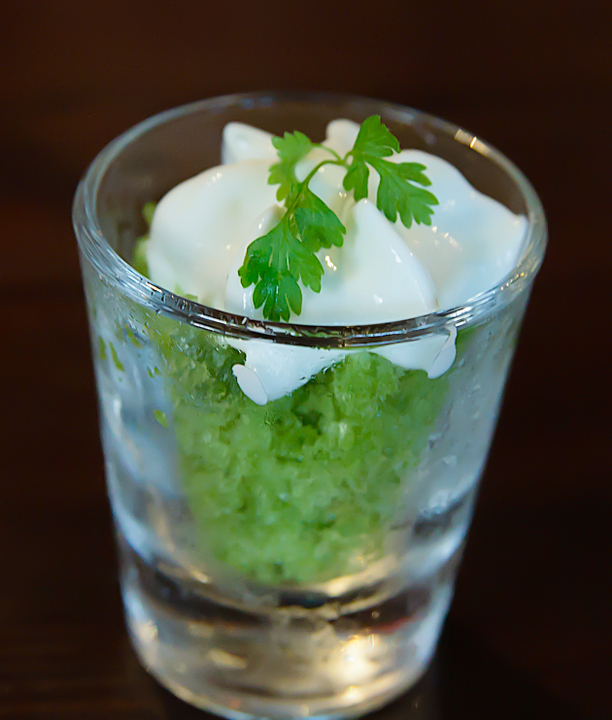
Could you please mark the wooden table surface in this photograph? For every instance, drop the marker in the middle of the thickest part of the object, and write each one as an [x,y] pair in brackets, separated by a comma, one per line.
[529,634]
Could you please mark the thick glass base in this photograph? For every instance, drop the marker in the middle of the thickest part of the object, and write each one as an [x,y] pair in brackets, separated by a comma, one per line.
[290,658]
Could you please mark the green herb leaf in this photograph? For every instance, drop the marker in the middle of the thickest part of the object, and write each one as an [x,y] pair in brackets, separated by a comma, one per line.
[279,261]
[318,226]
[397,193]
[274,264]
[356,179]
[291,148]
[375,139]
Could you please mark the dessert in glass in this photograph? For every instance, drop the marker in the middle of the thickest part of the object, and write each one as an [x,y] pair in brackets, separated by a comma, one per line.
[291,498]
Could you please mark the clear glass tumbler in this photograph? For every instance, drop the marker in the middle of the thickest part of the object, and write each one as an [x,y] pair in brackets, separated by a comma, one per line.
[295,559]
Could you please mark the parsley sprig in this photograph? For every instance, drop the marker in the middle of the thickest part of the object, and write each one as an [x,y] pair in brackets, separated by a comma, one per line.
[277,262]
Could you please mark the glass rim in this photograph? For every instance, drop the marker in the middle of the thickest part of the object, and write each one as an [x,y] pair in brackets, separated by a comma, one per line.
[119,273]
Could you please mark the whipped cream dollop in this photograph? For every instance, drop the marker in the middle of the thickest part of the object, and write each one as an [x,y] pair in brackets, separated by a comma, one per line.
[383,272]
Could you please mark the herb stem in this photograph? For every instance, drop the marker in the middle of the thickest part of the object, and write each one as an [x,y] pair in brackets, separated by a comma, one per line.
[304,184]
[328,149]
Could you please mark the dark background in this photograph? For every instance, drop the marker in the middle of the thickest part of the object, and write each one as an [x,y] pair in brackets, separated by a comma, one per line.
[529,634]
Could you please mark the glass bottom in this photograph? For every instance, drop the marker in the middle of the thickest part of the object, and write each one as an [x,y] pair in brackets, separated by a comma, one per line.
[291,657]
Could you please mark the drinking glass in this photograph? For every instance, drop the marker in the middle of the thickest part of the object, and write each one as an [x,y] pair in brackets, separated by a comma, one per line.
[293,559]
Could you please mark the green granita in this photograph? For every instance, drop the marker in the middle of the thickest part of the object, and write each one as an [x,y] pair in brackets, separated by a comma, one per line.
[307,487]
